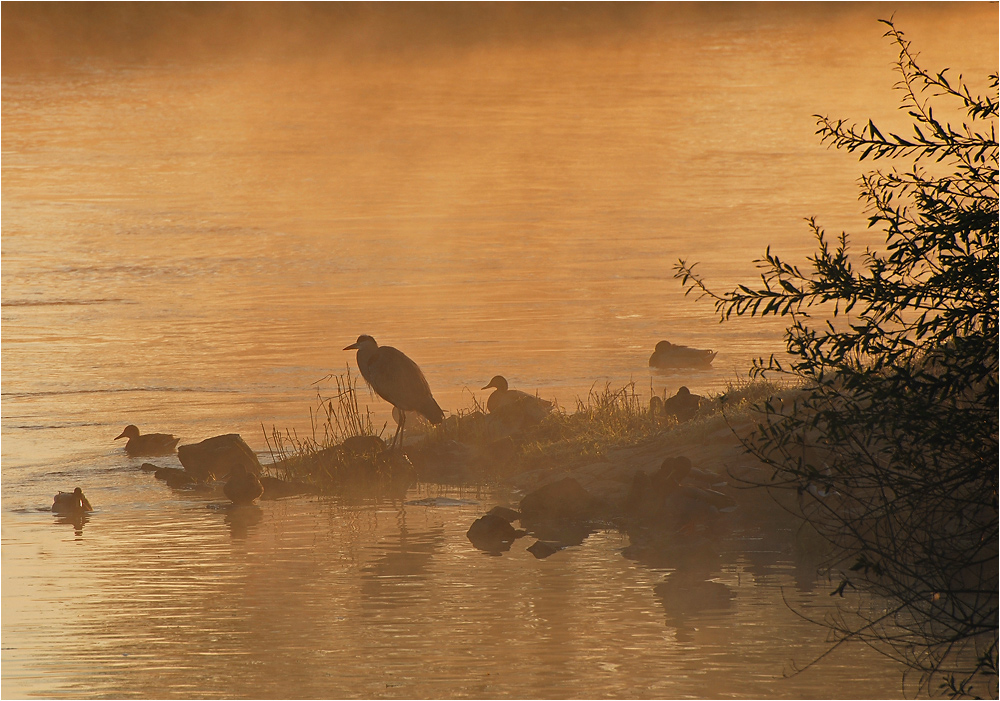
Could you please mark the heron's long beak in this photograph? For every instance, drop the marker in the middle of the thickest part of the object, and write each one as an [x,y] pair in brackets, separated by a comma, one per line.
[353,346]
[121,436]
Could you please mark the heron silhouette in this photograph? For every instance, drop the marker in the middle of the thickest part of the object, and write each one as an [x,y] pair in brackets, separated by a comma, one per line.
[398,380]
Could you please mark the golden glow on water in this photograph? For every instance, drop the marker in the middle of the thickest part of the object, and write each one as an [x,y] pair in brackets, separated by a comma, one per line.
[314,598]
[188,244]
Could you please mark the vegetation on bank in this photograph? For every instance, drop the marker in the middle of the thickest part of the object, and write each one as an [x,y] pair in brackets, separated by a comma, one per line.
[896,350]
[476,447]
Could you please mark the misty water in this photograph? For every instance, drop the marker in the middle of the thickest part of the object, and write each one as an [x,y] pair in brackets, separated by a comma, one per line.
[191,238]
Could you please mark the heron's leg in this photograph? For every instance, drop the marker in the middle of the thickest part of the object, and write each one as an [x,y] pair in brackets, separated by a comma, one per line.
[399,430]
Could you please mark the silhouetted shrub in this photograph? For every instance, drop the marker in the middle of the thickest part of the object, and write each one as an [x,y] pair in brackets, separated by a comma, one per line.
[892,444]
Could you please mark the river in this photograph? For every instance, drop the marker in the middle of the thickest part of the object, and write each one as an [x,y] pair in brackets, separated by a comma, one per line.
[193,232]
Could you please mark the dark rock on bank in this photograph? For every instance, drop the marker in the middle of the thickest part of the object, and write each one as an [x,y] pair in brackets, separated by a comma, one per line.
[660,500]
[363,445]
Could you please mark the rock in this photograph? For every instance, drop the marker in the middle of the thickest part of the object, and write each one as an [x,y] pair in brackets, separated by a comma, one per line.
[364,445]
[706,477]
[674,469]
[275,488]
[507,514]
[541,549]
[722,502]
[149,467]
[174,477]
[564,499]
[661,501]
[492,534]
[214,458]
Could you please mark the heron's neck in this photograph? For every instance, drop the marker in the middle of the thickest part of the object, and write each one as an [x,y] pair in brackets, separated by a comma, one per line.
[365,354]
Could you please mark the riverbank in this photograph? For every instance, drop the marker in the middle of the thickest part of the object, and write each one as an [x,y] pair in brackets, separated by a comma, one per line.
[611,436]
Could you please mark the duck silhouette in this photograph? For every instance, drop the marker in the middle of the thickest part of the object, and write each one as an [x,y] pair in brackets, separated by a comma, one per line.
[667,355]
[513,404]
[683,405]
[243,487]
[71,502]
[148,444]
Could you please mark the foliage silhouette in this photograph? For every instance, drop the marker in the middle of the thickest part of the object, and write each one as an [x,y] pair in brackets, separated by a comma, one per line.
[892,441]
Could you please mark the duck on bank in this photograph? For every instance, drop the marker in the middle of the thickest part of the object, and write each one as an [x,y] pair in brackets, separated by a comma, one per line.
[513,404]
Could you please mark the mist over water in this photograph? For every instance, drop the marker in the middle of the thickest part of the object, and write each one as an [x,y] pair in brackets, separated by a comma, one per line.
[203,204]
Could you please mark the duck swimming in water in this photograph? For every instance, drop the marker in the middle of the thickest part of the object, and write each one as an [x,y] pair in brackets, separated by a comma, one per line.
[71,502]
[514,404]
[149,444]
[668,355]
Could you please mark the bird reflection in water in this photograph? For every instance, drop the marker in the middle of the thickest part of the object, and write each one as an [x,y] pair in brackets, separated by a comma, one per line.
[241,518]
[76,519]
[73,508]
[687,596]
[400,574]
[690,592]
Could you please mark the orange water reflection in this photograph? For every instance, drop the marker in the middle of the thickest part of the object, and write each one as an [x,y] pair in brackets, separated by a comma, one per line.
[191,234]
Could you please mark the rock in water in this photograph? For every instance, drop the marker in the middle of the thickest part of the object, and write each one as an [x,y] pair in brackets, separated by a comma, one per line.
[491,533]
[541,549]
[214,458]
[507,514]
[563,499]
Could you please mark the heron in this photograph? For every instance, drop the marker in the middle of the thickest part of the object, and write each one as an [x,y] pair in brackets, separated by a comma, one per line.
[148,444]
[669,355]
[514,404]
[397,379]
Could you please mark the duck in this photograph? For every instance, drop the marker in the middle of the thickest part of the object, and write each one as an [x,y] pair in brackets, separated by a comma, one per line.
[514,404]
[243,487]
[668,355]
[71,502]
[683,405]
[148,444]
